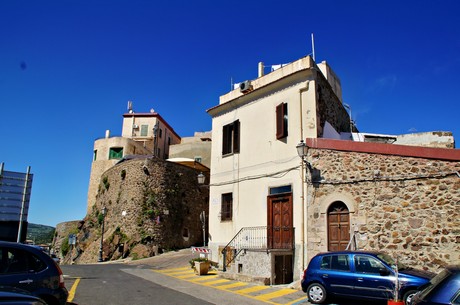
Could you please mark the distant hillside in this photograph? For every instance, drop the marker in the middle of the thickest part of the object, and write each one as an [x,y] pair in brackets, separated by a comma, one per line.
[40,234]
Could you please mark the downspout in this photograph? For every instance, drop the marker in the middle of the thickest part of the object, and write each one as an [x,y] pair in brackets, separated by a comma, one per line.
[304,191]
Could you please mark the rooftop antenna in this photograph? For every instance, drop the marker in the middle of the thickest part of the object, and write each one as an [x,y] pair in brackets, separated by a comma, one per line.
[313,46]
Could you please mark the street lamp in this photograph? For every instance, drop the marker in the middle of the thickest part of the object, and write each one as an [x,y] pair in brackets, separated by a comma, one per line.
[301,149]
[102,234]
[201,178]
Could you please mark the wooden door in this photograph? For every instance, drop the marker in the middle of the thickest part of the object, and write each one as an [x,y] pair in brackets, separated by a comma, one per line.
[338,218]
[280,221]
[283,269]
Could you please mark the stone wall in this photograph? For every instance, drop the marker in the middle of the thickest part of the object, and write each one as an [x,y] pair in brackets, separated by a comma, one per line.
[151,205]
[409,207]
[330,108]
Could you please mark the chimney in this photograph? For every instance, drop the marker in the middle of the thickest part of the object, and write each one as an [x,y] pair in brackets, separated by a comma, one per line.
[107,134]
[261,69]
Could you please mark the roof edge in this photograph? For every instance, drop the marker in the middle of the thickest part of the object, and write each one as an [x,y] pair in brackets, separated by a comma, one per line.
[446,154]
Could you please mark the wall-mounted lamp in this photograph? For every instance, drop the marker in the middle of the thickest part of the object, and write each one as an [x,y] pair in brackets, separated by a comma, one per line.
[301,149]
[201,178]
[302,154]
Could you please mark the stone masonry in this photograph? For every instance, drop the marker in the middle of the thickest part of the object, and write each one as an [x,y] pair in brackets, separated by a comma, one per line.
[407,206]
[152,205]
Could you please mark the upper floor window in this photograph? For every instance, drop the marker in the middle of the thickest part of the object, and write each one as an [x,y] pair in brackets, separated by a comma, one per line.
[281,121]
[144,130]
[95,155]
[231,138]
[116,153]
[161,132]
[226,207]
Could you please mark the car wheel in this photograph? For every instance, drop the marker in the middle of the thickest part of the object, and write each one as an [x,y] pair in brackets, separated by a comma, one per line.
[408,296]
[316,293]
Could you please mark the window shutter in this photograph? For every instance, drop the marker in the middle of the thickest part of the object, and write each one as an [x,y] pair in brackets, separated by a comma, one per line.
[280,121]
[225,140]
[236,136]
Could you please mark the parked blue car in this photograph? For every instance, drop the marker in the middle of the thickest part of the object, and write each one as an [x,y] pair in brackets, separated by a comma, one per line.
[443,289]
[29,268]
[363,275]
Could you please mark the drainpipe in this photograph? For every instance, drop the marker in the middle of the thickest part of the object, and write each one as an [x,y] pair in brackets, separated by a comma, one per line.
[304,185]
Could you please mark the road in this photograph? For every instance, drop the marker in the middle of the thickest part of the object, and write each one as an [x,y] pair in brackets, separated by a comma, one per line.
[168,279]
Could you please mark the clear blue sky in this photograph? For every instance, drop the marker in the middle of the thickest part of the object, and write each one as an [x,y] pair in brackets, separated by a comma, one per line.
[68,68]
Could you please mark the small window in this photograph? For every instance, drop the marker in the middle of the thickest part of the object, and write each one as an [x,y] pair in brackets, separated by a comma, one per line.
[198,159]
[281,121]
[281,190]
[231,138]
[116,153]
[144,130]
[227,207]
[161,132]
[95,155]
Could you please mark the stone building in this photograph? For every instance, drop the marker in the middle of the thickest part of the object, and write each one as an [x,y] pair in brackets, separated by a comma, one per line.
[142,134]
[151,205]
[401,199]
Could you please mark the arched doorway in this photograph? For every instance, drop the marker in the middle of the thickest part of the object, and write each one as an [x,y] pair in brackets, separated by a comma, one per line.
[338,226]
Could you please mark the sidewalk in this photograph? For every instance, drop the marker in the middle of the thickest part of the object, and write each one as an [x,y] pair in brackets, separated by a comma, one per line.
[175,264]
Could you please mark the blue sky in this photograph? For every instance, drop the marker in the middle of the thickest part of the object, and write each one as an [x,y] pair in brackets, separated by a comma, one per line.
[68,68]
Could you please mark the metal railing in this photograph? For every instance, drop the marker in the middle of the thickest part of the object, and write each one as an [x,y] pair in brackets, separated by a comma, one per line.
[252,238]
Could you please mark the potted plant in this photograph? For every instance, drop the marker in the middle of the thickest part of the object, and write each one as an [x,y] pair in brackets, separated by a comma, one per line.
[396,288]
[201,265]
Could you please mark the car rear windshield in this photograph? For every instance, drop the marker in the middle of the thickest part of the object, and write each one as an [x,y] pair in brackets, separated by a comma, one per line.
[390,261]
[434,282]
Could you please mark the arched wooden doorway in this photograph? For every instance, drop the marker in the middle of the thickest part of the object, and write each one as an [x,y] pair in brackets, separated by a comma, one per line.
[338,226]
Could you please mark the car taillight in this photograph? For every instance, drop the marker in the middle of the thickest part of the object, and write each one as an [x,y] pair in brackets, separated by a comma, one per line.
[61,276]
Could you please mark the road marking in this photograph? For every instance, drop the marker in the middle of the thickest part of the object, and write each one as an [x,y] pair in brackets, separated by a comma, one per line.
[253,292]
[73,290]
[251,289]
[275,294]
[230,286]
[216,282]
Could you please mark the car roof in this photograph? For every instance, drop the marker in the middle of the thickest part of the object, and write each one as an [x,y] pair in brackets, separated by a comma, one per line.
[351,252]
[35,249]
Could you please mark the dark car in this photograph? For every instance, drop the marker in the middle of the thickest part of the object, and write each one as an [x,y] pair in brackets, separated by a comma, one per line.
[443,289]
[14,296]
[28,268]
[361,275]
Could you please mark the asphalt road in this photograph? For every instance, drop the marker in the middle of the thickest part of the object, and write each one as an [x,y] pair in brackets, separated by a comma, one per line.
[168,279]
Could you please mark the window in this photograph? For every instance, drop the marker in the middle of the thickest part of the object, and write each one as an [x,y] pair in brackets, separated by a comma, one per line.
[144,130]
[19,261]
[116,153]
[227,207]
[281,121]
[231,138]
[198,159]
[335,262]
[95,155]
[365,264]
[280,190]
[161,132]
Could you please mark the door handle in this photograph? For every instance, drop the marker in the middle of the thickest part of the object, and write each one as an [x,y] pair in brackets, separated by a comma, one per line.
[28,281]
[360,279]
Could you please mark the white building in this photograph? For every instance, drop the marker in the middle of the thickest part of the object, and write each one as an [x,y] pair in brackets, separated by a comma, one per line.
[257,205]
